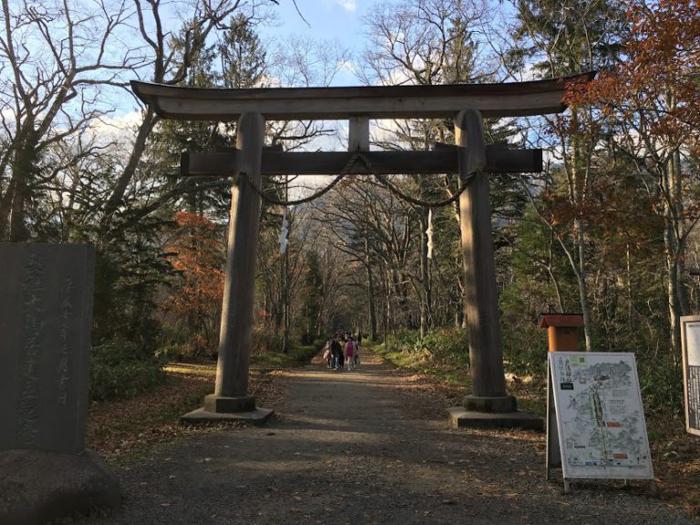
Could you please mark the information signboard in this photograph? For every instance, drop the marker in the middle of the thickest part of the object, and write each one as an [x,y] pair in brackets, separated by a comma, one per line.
[599,416]
[690,337]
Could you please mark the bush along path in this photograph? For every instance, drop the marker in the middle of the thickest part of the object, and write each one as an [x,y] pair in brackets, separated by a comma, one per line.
[368,446]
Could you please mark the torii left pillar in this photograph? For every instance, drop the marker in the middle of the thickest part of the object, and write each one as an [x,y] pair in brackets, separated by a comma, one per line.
[230,400]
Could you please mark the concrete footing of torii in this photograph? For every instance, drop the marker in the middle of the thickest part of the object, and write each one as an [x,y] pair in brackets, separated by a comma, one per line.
[497,412]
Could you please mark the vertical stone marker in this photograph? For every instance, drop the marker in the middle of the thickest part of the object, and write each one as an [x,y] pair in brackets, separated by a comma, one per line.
[45,323]
[46,295]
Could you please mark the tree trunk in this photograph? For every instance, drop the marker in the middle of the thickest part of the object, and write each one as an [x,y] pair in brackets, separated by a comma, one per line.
[22,167]
[6,208]
[426,306]
[674,310]
[630,304]
[371,307]
[582,285]
[673,248]
[115,199]
[679,231]
[388,324]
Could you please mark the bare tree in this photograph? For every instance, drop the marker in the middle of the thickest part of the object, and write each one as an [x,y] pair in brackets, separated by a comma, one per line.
[55,59]
[424,42]
[558,39]
[169,58]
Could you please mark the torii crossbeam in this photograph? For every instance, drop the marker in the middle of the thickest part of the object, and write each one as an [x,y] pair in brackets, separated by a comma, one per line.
[488,404]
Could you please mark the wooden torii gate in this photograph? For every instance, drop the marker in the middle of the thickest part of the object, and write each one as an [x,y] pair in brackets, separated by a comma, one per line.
[488,404]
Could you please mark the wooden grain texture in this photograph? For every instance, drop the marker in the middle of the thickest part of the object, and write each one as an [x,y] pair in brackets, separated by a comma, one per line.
[480,292]
[358,134]
[492,100]
[441,160]
[239,285]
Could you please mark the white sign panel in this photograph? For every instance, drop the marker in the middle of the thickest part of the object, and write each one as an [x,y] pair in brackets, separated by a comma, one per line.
[690,330]
[600,418]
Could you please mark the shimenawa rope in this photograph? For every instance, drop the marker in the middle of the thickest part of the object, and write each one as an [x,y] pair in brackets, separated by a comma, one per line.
[381,178]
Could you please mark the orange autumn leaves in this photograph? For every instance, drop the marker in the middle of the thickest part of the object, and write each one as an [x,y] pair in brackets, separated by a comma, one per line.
[197,255]
[656,87]
[636,116]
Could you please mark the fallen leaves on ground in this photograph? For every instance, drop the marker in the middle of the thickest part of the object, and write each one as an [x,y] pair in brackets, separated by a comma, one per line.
[120,428]
[675,454]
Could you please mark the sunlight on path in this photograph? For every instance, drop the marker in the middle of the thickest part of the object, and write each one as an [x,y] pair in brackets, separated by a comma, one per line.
[363,447]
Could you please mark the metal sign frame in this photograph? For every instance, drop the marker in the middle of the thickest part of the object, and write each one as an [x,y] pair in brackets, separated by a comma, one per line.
[554,436]
[687,320]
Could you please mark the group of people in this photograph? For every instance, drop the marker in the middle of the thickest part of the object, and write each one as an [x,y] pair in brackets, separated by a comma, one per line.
[342,350]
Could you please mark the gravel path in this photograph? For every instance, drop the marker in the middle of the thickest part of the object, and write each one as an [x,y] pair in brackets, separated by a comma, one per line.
[363,447]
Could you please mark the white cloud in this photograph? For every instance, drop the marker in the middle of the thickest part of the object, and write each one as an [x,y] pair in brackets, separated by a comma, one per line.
[120,128]
[348,5]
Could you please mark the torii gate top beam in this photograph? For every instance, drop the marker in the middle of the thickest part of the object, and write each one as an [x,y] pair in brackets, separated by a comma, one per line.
[511,99]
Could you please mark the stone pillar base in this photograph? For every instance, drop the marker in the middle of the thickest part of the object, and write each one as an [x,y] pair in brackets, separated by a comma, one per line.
[222,409]
[38,486]
[492,412]
[461,418]
[258,416]
[227,405]
[490,404]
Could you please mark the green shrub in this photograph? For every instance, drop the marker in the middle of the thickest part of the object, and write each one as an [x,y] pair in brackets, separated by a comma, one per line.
[449,345]
[525,349]
[304,354]
[121,369]
[661,383]
[403,340]
[178,343]
[444,345]
[265,340]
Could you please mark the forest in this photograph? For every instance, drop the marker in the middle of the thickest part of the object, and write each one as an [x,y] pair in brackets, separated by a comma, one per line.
[607,229]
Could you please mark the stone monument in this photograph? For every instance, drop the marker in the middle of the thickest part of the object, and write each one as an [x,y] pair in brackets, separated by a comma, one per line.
[46,294]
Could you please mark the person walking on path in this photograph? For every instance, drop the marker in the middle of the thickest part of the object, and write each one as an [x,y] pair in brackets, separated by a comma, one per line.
[328,354]
[337,353]
[349,354]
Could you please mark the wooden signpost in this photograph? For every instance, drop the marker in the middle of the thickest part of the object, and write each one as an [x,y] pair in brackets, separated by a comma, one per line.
[562,336]
[690,338]
[488,404]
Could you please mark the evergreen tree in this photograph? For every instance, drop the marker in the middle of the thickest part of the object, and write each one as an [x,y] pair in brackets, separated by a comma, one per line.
[557,37]
[243,57]
[311,302]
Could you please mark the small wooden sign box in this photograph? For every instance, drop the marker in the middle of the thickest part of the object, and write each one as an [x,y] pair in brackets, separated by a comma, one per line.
[562,336]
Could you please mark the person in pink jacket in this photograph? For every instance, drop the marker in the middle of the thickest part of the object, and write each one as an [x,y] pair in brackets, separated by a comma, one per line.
[350,350]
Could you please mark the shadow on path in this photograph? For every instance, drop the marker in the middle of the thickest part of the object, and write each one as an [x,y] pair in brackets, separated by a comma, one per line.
[349,447]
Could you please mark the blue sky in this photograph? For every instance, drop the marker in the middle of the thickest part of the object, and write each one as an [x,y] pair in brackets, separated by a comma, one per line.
[328,20]
[339,21]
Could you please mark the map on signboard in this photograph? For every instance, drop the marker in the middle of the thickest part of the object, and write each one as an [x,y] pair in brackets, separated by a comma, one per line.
[690,327]
[600,419]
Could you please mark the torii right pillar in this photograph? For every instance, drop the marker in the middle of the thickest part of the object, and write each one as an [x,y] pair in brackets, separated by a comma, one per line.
[488,404]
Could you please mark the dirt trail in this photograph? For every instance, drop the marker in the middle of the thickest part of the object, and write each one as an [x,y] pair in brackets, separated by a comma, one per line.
[363,447]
